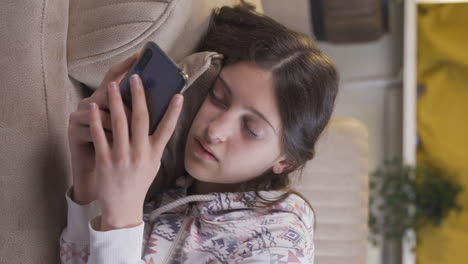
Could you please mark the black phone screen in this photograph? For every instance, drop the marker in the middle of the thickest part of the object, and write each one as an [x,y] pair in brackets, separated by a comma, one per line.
[161,78]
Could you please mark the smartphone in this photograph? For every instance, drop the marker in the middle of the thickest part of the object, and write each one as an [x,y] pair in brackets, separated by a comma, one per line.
[161,79]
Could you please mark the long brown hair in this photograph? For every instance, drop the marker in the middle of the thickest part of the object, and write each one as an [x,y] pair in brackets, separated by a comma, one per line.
[306,83]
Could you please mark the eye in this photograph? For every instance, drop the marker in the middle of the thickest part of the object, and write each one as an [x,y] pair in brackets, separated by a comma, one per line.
[219,102]
[214,98]
[249,131]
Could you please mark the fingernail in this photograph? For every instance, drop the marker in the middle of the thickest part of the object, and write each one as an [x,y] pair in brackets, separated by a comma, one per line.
[178,99]
[113,86]
[92,106]
[134,78]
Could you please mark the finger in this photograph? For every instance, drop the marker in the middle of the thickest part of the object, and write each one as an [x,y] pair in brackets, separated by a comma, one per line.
[167,125]
[101,145]
[99,97]
[118,70]
[82,118]
[119,121]
[102,101]
[115,73]
[140,118]
[83,133]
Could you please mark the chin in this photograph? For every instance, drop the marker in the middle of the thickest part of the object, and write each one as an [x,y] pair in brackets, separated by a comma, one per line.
[200,172]
[194,168]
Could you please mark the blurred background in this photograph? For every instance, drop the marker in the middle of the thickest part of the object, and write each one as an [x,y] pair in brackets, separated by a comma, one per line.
[403,68]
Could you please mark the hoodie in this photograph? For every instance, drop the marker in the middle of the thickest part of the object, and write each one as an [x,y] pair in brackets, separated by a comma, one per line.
[214,228]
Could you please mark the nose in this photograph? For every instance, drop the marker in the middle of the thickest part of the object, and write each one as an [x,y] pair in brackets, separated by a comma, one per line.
[220,128]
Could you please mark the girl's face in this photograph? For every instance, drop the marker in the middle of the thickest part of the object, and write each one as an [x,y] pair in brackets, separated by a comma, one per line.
[239,123]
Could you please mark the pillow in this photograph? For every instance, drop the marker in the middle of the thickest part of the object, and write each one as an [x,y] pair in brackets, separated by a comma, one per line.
[202,69]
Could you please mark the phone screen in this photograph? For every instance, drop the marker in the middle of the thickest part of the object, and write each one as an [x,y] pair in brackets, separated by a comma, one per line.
[161,78]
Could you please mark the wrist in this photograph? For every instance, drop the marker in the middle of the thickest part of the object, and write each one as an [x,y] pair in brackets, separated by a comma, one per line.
[84,192]
[110,223]
[82,197]
[82,173]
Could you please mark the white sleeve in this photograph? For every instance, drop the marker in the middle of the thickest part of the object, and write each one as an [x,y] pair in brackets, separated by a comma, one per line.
[81,242]
[78,217]
[115,246]
[74,240]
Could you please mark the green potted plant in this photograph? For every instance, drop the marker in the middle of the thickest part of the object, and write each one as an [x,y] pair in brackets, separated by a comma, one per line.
[404,198]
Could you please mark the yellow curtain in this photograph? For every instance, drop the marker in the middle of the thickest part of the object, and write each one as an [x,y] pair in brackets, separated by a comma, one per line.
[442,120]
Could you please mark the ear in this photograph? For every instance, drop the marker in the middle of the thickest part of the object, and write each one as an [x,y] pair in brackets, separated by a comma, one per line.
[281,166]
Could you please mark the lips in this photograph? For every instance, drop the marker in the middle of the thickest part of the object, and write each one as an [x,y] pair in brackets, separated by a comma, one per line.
[205,148]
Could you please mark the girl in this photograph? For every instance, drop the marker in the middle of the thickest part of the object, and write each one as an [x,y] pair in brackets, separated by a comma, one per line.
[258,123]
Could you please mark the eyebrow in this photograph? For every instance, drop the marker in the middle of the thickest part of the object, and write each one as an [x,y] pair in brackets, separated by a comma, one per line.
[255,111]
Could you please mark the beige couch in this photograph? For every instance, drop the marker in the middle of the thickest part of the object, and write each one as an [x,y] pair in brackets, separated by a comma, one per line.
[53,53]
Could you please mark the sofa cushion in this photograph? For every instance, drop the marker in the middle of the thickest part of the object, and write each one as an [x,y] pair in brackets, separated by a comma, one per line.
[104,32]
[36,97]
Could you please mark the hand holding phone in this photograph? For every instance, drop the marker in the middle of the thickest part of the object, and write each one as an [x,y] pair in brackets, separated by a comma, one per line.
[79,138]
[161,79]
[137,156]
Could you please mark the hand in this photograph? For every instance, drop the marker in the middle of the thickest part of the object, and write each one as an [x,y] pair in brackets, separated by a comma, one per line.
[79,136]
[126,170]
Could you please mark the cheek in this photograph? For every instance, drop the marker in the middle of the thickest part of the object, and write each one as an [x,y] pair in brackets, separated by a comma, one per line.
[254,155]
[203,114]
[206,110]
[246,163]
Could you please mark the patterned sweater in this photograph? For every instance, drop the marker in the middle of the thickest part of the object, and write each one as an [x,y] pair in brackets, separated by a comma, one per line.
[180,228]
